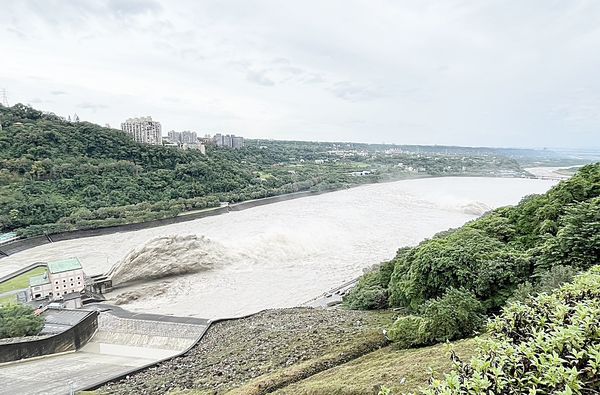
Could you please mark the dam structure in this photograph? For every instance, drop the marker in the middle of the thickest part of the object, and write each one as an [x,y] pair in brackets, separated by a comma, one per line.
[270,256]
[125,341]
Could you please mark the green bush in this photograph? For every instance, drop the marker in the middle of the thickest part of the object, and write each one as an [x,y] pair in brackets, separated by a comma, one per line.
[371,291]
[547,282]
[18,320]
[368,294]
[410,331]
[577,242]
[548,345]
[455,315]
[555,278]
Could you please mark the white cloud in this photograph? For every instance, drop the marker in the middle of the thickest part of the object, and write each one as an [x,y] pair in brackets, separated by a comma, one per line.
[507,73]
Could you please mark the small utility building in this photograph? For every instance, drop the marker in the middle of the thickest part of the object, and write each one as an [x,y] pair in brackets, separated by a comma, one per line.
[63,277]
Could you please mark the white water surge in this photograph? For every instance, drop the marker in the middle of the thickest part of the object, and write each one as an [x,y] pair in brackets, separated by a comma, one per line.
[280,254]
[167,256]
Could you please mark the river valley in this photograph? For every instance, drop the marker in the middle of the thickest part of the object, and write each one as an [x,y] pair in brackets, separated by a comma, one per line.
[281,254]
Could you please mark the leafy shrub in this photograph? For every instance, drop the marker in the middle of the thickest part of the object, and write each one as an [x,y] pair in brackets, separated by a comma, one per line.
[549,345]
[548,281]
[410,331]
[555,278]
[19,320]
[455,315]
[577,243]
[368,294]
[371,291]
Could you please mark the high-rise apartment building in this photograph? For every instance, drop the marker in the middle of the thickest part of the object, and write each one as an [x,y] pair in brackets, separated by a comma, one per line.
[185,137]
[174,137]
[143,130]
[228,141]
[218,139]
[188,137]
[237,142]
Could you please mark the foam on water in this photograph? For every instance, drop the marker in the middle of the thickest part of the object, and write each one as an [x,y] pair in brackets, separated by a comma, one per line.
[168,256]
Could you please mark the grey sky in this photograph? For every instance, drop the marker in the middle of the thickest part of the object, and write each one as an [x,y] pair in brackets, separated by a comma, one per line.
[496,73]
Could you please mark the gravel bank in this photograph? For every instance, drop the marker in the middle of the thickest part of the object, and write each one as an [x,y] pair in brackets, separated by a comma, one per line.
[234,352]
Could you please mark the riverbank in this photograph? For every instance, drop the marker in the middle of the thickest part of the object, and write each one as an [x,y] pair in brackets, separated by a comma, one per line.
[18,245]
[281,255]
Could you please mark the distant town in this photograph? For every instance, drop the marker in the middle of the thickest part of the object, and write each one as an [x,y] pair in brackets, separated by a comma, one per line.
[147,131]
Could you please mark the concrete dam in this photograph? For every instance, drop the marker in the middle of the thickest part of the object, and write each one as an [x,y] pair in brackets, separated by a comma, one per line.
[123,342]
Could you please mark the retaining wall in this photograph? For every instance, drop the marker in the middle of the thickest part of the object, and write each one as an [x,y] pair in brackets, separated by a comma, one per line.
[21,271]
[143,333]
[272,199]
[24,244]
[70,340]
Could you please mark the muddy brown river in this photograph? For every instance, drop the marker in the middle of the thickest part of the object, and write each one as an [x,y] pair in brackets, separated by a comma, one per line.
[281,254]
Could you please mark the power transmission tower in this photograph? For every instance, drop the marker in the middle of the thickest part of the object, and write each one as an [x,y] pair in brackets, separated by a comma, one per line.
[4,98]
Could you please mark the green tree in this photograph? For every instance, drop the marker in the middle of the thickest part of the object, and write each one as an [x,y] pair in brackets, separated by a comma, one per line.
[18,320]
[577,243]
[455,315]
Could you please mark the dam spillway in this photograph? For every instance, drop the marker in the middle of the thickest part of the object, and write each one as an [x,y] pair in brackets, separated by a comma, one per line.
[124,341]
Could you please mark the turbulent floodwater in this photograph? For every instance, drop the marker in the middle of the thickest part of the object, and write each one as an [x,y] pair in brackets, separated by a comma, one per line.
[281,254]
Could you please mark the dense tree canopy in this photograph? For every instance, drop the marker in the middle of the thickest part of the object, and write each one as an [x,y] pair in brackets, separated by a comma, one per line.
[18,320]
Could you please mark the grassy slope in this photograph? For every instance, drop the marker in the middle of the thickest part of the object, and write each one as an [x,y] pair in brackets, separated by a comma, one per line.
[8,299]
[21,281]
[386,366]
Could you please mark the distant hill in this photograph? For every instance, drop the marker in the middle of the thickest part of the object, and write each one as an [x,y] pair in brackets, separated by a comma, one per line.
[58,175]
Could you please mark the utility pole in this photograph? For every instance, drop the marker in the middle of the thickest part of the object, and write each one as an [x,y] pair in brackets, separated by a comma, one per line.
[4,97]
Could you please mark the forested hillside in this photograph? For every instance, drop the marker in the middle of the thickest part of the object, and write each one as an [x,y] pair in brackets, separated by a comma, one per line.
[57,175]
[511,252]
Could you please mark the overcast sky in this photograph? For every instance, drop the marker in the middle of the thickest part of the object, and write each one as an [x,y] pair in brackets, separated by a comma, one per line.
[520,73]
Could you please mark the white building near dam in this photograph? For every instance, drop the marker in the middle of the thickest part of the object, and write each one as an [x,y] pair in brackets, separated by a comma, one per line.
[63,277]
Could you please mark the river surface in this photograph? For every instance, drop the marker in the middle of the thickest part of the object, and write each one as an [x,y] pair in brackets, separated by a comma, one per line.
[282,254]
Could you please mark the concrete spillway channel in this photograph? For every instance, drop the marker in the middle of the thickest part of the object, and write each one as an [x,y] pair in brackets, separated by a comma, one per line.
[124,341]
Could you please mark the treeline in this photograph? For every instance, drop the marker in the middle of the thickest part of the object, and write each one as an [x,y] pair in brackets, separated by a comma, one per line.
[57,175]
[446,285]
